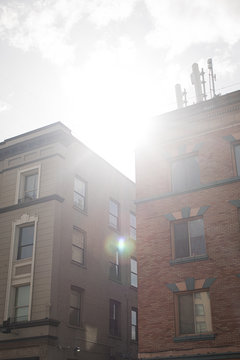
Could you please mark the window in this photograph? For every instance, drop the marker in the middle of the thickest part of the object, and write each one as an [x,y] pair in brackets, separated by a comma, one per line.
[78,246]
[25,242]
[194,313]
[115,318]
[132,226]
[114,214]
[237,158]
[189,238]
[75,306]
[79,197]
[134,324]
[28,189]
[134,280]
[185,174]
[115,268]
[21,303]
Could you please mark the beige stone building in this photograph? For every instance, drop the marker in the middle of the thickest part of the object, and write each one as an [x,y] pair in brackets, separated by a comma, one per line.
[68,271]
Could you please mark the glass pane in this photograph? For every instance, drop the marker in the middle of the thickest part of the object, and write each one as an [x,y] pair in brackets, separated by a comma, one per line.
[77,254]
[21,314]
[196,232]
[79,186]
[31,182]
[133,333]
[133,220]
[203,318]
[25,252]
[74,317]
[78,238]
[192,172]
[113,208]
[237,156]
[22,295]
[134,266]
[75,299]
[133,234]
[186,314]
[26,235]
[79,201]
[134,280]
[134,317]
[181,240]
[113,221]
[178,176]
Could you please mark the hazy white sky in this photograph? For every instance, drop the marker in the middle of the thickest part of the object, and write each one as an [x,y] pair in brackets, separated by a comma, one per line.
[104,66]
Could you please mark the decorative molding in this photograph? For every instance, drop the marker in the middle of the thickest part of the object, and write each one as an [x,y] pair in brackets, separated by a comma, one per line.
[186,213]
[191,284]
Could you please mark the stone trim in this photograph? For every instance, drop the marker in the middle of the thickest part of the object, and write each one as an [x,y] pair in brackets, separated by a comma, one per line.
[194,337]
[191,284]
[186,213]
[199,188]
[188,259]
[33,202]
[32,323]
[214,356]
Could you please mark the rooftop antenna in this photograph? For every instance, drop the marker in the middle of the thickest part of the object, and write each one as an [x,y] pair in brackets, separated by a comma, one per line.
[212,78]
[195,77]
[181,96]
[203,82]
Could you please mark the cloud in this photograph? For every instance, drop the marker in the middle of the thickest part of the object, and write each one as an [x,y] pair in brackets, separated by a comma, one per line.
[47,25]
[181,24]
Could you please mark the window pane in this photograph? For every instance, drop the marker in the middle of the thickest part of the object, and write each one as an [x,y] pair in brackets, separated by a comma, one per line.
[79,201]
[202,312]
[79,186]
[22,295]
[75,299]
[134,317]
[133,220]
[74,317]
[134,333]
[26,235]
[25,252]
[77,254]
[181,240]
[134,280]
[134,266]
[21,314]
[237,156]
[31,182]
[113,221]
[196,232]
[113,208]
[185,174]
[186,314]
[78,238]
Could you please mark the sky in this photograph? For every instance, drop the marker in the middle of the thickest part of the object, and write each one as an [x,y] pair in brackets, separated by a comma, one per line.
[104,67]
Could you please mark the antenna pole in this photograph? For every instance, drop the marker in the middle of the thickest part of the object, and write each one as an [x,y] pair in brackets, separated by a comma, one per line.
[212,78]
[203,82]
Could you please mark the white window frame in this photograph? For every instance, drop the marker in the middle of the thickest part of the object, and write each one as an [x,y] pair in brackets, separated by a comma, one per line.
[83,196]
[26,279]
[133,272]
[20,183]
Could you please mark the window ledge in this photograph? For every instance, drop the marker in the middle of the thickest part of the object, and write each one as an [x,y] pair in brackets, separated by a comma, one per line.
[83,266]
[115,280]
[197,337]
[115,337]
[188,259]
[80,210]
[134,287]
[117,230]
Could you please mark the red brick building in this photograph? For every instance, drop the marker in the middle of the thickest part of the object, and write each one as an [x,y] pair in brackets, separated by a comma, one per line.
[188,214]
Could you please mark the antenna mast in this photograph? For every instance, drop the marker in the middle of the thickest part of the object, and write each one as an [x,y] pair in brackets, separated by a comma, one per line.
[212,78]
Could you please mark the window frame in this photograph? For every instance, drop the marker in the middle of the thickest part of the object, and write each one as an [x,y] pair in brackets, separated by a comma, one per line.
[83,249]
[179,159]
[117,217]
[177,314]
[133,273]
[133,230]
[79,309]
[117,318]
[186,220]
[236,164]
[82,196]
[134,309]
[18,238]
[21,178]
[16,288]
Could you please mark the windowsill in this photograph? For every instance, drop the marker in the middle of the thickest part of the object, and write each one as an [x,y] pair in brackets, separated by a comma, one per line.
[117,230]
[188,259]
[83,266]
[115,337]
[194,337]
[80,210]
[75,327]
[134,287]
[115,280]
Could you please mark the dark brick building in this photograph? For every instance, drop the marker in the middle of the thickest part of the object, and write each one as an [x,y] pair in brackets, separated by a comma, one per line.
[188,213]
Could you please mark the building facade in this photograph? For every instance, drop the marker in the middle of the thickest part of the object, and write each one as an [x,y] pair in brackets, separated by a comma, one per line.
[68,268]
[188,216]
